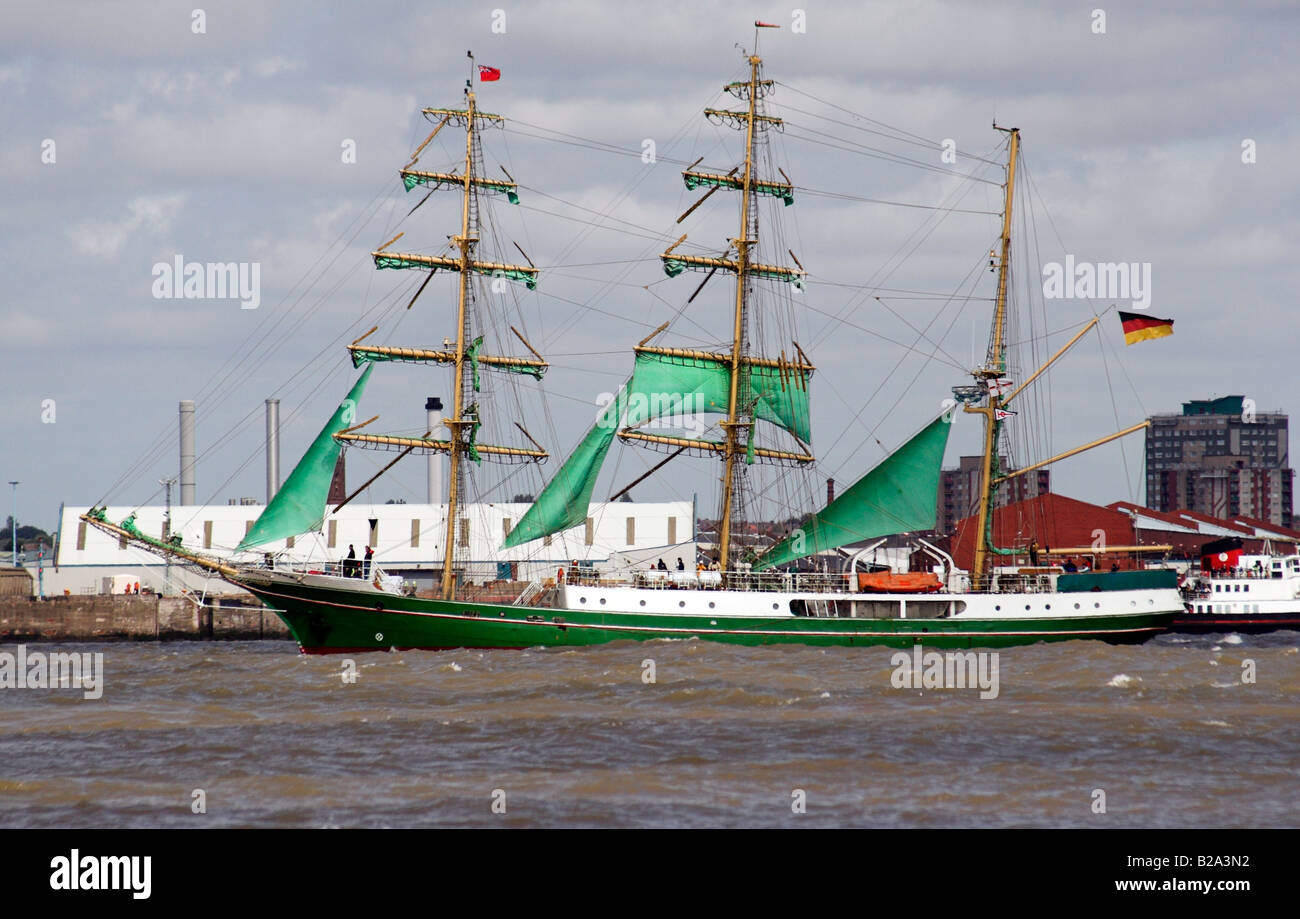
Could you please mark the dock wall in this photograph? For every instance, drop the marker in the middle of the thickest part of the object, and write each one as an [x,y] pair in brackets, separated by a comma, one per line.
[134,618]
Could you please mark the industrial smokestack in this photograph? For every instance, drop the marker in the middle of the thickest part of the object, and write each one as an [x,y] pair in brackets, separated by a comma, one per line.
[187,452]
[433,405]
[272,448]
[830,490]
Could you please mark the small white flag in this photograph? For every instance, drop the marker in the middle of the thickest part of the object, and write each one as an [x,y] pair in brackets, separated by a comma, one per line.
[1001,414]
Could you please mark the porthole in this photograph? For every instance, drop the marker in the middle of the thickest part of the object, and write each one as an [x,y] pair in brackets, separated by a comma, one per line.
[999,608]
[1132,603]
[582,599]
[712,604]
[1048,606]
[1076,606]
[681,602]
[643,603]
[602,601]
[1026,606]
[775,606]
[1096,606]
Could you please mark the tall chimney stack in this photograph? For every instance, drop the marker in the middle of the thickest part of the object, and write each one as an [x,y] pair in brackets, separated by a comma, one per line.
[272,448]
[830,490]
[187,452]
[433,405]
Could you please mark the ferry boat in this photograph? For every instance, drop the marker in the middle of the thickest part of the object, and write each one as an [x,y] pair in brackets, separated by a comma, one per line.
[750,598]
[1237,592]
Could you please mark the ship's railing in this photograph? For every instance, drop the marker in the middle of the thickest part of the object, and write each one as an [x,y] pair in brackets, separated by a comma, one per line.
[1260,574]
[346,568]
[776,581]
[773,581]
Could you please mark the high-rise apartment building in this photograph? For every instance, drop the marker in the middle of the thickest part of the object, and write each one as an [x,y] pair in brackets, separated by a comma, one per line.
[1221,457]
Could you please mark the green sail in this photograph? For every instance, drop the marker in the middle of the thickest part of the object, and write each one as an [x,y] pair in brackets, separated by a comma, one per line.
[662,386]
[564,501]
[898,496]
[665,385]
[299,505]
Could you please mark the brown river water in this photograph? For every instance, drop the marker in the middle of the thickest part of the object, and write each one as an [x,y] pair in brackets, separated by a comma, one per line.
[1165,734]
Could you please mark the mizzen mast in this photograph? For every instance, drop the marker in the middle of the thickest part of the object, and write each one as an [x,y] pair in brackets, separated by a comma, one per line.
[990,376]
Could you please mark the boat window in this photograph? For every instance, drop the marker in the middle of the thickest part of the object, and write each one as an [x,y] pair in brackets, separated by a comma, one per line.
[926,609]
[1247,588]
[877,609]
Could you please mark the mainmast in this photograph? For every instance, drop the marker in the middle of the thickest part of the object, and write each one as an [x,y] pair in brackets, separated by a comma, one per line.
[989,376]
[465,420]
[738,442]
[742,243]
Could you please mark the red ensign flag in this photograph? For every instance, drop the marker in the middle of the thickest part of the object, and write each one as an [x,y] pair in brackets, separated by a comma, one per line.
[488,74]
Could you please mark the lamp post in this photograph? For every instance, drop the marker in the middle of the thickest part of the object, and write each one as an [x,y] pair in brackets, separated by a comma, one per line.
[13,524]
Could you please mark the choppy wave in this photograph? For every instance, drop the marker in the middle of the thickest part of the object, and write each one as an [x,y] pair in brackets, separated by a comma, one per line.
[723,736]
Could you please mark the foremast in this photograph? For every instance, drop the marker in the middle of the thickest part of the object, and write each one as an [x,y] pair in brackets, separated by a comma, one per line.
[461,446]
[738,440]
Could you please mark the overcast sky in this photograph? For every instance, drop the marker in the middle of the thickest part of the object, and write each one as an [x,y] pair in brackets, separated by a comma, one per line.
[227,144]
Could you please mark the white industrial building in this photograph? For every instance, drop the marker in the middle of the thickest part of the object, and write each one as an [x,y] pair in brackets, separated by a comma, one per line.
[407,540]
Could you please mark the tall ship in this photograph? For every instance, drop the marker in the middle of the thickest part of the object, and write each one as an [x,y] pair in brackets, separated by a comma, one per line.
[759,401]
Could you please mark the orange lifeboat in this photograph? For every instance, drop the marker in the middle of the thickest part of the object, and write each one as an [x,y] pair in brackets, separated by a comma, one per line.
[909,582]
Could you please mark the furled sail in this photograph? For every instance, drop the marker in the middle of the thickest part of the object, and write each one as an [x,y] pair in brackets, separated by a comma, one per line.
[563,502]
[899,495]
[299,505]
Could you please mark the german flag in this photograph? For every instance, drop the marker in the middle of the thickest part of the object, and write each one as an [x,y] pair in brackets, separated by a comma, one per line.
[1138,327]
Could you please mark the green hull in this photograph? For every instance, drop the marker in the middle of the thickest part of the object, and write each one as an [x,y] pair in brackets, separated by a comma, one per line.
[325,621]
